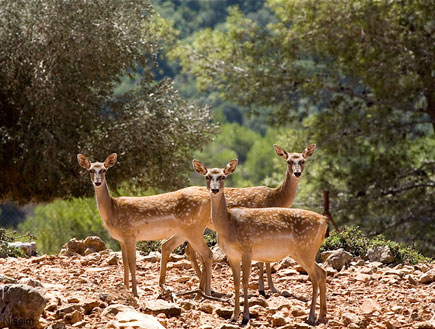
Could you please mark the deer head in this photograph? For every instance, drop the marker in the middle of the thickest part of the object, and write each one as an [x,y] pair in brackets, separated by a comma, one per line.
[295,161]
[97,170]
[215,177]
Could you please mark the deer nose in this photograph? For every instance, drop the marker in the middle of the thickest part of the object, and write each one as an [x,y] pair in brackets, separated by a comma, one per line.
[297,174]
[97,183]
[214,190]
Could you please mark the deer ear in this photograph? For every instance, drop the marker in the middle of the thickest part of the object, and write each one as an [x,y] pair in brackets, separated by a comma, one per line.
[230,167]
[83,161]
[199,167]
[309,150]
[110,160]
[281,152]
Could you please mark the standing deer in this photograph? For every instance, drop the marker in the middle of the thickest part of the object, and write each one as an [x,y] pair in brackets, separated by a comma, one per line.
[181,215]
[263,196]
[266,235]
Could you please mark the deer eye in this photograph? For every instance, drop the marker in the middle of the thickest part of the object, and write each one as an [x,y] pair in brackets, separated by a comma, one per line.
[207,177]
[92,171]
[102,171]
[302,162]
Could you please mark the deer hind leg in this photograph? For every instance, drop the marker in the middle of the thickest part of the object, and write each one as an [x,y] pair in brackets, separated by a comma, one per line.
[167,247]
[206,255]
[261,279]
[269,279]
[246,265]
[312,269]
[322,285]
[235,268]
[191,254]
[131,254]
[125,264]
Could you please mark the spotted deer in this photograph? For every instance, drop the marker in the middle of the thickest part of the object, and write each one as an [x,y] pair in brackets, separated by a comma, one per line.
[263,196]
[266,235]
[180,216]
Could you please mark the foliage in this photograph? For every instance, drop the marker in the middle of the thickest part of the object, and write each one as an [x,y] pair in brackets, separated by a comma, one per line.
[355,241]
[57,223]
[12,236]
[60,64]
[356,78]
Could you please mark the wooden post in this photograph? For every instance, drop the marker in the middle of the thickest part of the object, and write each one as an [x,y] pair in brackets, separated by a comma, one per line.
[326,211]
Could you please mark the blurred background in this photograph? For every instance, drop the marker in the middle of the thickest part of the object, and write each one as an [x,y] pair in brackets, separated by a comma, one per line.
[163,82]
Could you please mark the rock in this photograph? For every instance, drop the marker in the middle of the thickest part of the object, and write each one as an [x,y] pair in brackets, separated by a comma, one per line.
[176,258]
[207,308]
[73,300]
[428,277]
[152,257]
[112,259]
[74,246]
[7,280]
[51,307]
[29,248]
[430,324]
[370,306]
[300,269]
[225,313]
[183,264]
[161,306]
[423,267]
[218,255]
[411,279]
[66,310]
[381,254]
[338,259]
[21,306]
[362,277]
[89,304]
[229,326]
[95,243]
[278,320]
[128,317]
[349,318]
[38,260]
[105,297]
[287,262]
[89,251]
[74,317]
[324,255]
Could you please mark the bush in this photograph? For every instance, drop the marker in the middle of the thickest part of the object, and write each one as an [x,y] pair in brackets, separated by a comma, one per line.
[56,223]
[353,240]
[9,236]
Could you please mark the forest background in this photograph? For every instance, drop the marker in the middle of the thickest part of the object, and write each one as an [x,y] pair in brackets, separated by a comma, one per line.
[357,79]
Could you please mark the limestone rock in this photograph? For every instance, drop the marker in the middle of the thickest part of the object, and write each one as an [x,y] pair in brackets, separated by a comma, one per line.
[229,326]
[349,318]
[37,260]
[72,247]
[128,317]
[29,248]
[21,306]
[161,306]
[31,282]
[381,254]
[95,243]
[66,310]
[89,304]
[225,313]
[112,259]
[278,320]
[207,308]
[338,259]
[425,325]
[152,257]
[218,255]
[7,280]
[428,277]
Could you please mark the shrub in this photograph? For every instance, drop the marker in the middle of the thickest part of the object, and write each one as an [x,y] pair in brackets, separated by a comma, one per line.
[9,236]
[355,241]
[58,222]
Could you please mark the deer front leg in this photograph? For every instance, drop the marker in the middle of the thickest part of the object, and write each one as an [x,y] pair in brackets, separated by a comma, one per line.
[125,264]
[131,254]
[167,247]
[235,268]
[246,265]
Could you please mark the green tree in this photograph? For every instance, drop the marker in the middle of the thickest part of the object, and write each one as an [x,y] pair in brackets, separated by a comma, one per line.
[60,64]
[354,77]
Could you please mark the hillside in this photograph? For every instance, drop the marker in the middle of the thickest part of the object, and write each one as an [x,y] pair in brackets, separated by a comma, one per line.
[85,292]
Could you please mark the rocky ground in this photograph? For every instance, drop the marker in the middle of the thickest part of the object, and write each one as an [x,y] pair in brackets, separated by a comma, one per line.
[87,292]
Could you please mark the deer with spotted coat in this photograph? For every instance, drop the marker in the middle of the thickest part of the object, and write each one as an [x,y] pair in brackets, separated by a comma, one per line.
[263,196]
[266,235]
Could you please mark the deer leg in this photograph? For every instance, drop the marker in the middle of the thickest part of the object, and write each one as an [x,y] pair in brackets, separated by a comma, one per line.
[235,268]
[322,285]
[313,273]
[269,279]
[167,247]
[207,259]
[191,254]
[131,254]
[261,278]
[125,264]
[246,265]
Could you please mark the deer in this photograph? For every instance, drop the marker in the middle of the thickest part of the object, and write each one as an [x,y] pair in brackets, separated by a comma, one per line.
[263,196]
[266,235]
[180,216]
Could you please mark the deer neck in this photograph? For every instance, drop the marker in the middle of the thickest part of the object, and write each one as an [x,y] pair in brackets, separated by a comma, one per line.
[287,191]
[219,214]
[104,201]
